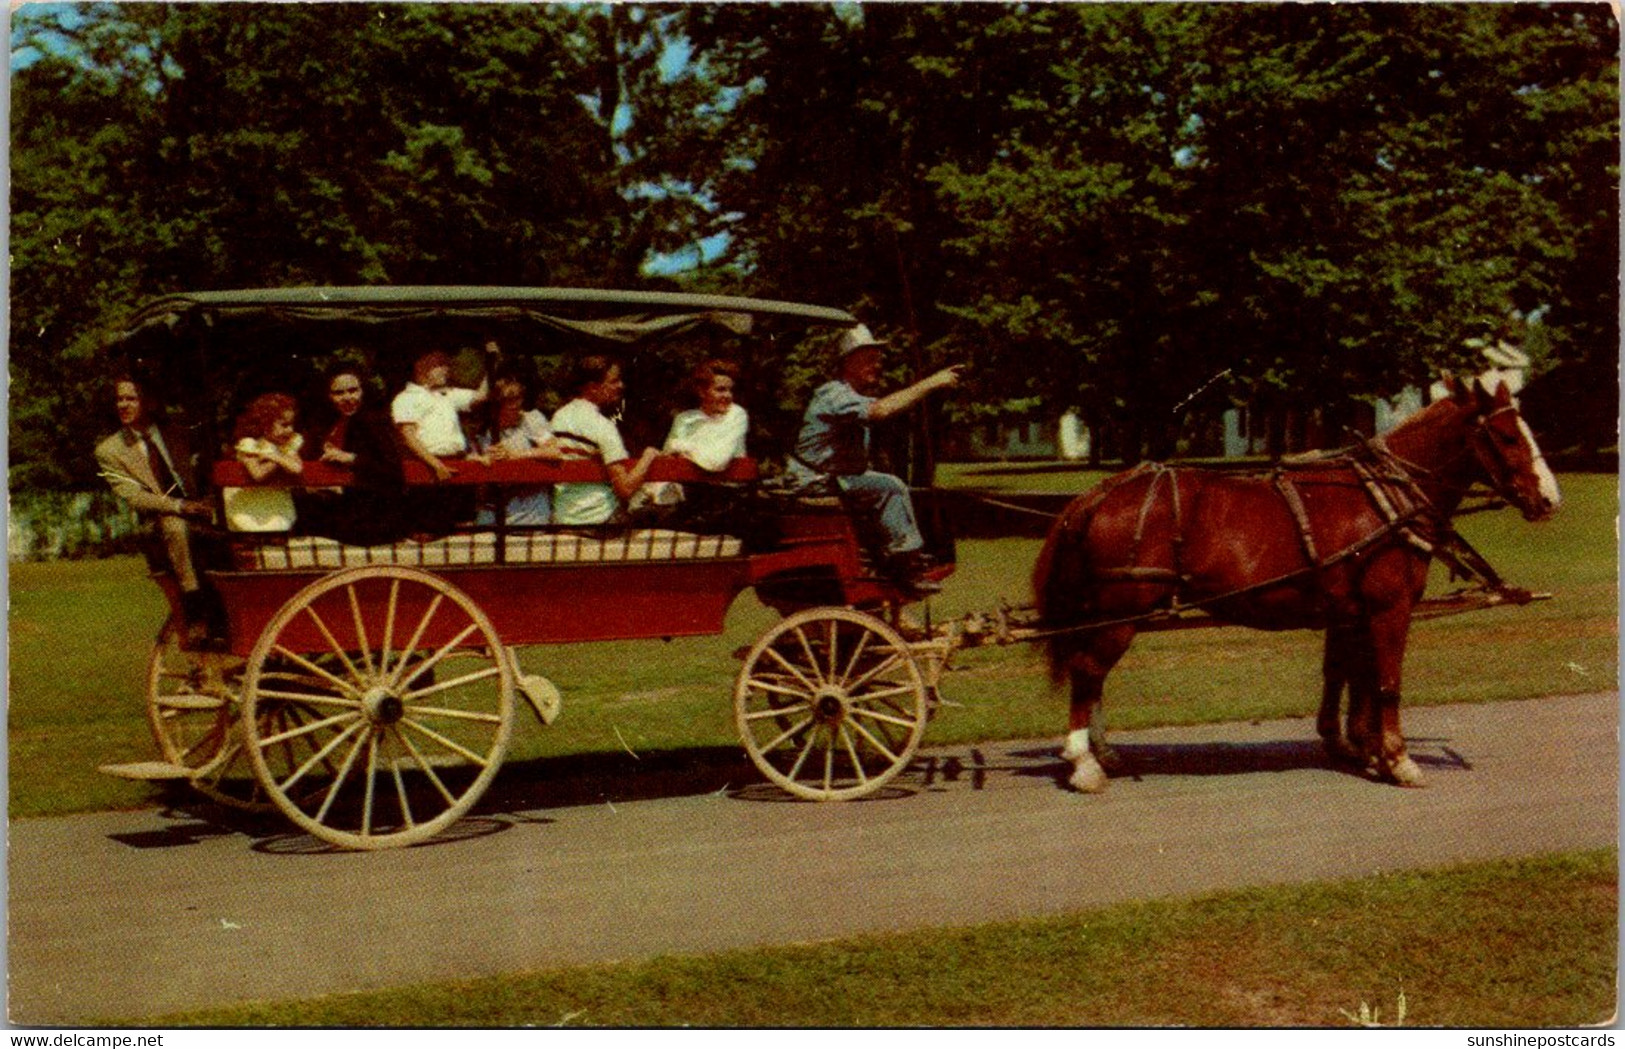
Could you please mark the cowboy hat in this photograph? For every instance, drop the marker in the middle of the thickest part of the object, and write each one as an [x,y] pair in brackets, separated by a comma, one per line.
[856,338]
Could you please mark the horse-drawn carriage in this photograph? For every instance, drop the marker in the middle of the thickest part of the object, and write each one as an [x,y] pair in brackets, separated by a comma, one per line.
[368,691]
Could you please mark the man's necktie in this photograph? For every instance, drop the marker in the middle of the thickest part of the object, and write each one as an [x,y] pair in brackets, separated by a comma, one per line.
[167,481]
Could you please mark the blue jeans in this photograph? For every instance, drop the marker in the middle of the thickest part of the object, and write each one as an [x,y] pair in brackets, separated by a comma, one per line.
[884,500]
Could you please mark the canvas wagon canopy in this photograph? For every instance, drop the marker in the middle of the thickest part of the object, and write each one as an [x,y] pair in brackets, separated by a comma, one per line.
[206,353]
[593,316]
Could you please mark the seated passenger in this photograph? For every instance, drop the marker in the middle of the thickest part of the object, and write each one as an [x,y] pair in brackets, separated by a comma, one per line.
[586,433]
[517,432]
[267,444]
[710,436]
[428,411]
[428,415]
[360,437]
[150,466]
[832,453]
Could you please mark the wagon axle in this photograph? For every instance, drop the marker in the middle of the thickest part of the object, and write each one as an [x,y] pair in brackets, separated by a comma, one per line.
[382,706]
[830,705]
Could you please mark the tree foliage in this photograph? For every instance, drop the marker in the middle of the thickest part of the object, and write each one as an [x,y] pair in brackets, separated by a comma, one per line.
[1099,206]
[165,147]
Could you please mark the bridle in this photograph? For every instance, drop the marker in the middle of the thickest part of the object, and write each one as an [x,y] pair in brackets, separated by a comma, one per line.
[1485,447]
[1480,444]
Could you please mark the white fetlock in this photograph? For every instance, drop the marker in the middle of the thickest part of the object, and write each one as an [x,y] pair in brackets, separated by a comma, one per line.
[1087,775]
[1076,745]
[1406,773]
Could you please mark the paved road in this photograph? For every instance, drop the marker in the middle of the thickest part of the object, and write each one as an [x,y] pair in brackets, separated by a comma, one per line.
[144,913]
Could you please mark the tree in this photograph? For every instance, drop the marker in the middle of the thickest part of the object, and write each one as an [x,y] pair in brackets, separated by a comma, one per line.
[1098,206]
[181,147]
[839,113]
[1324,199]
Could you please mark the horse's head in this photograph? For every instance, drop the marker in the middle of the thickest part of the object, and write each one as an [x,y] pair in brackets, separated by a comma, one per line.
[1503,444]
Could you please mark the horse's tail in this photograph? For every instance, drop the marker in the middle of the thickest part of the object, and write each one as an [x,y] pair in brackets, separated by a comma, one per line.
[1060,575]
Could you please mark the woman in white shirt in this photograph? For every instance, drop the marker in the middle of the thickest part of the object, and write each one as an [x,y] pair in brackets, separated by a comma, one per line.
[585,432]
[710,436]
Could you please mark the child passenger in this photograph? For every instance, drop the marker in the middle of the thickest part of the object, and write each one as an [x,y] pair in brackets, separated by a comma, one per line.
[268,444]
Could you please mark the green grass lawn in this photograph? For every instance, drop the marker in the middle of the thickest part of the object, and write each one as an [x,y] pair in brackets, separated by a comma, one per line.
[1525,944]
[80,632]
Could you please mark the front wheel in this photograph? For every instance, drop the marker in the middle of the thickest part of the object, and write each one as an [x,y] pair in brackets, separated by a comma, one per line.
[377,707]
[831,704]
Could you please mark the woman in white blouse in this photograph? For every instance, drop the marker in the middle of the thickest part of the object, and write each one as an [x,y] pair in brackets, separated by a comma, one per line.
[713,434]
[710,436]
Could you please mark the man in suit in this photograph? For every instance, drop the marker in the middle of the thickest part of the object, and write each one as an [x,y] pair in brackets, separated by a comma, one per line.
[151,467]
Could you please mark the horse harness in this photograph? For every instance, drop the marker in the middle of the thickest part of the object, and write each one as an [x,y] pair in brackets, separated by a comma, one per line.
[1390,485]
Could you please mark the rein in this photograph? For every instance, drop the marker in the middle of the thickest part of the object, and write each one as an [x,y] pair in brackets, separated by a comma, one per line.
[1475,438]
[1002,505]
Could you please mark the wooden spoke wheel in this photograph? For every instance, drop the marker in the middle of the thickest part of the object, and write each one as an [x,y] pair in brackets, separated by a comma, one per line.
[831,704]
[377,706]
[193,709]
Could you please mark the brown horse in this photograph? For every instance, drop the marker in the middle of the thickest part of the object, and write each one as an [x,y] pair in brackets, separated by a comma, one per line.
[1335,542]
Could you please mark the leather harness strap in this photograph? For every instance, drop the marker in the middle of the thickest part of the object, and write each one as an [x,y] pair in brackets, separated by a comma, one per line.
[1300,515]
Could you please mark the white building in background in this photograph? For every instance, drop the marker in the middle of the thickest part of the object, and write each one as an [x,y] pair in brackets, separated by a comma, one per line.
[1391,413]
[1072,437]
[1033,437]
[1030,438]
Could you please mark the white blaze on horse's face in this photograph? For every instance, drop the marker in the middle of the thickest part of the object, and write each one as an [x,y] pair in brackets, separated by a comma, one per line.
[1550,497]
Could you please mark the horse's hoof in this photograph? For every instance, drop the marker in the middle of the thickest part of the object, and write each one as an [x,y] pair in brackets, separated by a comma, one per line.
[1405,773]
[1110,760]
[1340,751]
[1088,777]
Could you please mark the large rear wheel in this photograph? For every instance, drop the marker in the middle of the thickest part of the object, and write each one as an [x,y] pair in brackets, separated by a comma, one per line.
[195,716]
[377,707]
[831,704]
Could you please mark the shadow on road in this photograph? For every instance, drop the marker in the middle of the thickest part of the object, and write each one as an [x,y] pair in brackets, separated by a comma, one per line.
[525,789]
[973,766]
[517,795]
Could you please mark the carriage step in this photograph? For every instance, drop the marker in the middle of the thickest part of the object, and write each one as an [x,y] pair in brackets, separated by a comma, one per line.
[147,770]
[191,701]
[543,697]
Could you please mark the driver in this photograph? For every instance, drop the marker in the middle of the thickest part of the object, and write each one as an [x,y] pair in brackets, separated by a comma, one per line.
[832,453]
